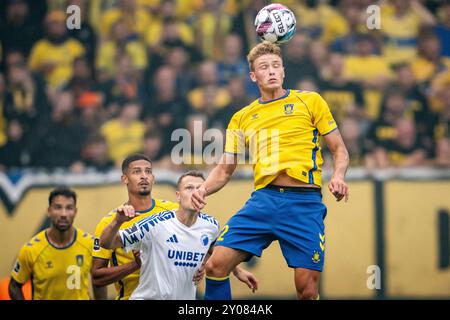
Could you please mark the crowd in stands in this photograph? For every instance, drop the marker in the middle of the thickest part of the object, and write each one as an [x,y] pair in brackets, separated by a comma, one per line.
[137,70]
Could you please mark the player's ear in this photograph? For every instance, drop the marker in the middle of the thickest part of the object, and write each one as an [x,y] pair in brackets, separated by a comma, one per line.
[124,178]
[177,194]
[252,76]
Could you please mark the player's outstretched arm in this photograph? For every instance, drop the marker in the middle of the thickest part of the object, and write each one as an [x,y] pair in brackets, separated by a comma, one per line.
[110,238]
[216,180]
[15,290]
[337,185]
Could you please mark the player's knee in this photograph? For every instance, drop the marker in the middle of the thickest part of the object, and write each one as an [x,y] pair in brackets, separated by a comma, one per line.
[215,269]
[307,293]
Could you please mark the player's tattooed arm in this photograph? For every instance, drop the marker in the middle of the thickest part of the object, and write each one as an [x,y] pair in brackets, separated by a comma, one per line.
[15,290]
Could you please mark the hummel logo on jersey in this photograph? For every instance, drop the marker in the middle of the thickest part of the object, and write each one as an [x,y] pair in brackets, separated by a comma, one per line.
[173,239]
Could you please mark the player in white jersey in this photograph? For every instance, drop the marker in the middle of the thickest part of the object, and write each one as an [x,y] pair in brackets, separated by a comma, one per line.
[173,245]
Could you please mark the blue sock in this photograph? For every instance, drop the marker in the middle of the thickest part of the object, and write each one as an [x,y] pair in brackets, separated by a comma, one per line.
[217,288]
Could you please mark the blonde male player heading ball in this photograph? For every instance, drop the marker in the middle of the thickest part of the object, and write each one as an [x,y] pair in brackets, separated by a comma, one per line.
[282,129]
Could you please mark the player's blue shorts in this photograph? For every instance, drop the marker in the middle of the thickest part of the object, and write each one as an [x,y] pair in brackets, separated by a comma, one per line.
[295,219]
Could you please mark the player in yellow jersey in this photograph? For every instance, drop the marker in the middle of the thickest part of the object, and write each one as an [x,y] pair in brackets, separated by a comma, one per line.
[57,260]
[117,266]
[282,130]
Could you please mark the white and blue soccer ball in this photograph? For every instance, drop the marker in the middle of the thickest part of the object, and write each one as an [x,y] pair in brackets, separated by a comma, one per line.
[275,23]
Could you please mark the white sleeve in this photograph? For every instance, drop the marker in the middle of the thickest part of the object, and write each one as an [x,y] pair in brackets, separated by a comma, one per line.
[132,238]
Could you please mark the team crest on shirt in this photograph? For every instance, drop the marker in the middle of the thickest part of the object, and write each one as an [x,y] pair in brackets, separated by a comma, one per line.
[204,239]
[80,260]
[288,108]
[316,257]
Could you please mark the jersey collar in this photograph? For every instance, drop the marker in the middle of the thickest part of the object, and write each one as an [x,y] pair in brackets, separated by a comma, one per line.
[282,97]
[65,247]
[149,209]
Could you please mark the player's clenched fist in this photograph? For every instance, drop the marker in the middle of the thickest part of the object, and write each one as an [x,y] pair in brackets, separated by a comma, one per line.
[198,198]
[125,213]
[339,189]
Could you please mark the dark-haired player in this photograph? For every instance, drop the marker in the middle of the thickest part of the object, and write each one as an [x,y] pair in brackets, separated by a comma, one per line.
[117,266]
[57,260]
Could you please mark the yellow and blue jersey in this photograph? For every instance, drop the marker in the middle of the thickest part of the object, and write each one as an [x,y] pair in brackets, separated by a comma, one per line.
[118,257]
[282,135]
[56,273]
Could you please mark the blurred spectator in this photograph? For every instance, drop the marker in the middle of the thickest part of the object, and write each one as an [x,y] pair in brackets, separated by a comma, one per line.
[167,11]
[14,154]
[54,55]
[405,150]
[86,34]
[13,58]
[82,80]
[354,20]
[25,98]
[233,63]
[170,39]
[297,63]
[336,26]
[319,55]
[91,110]
[239,98]
[383,131]
[429,61]
[154,149]
[307,84]
[124,134]
[127,83]
[442,30]
[209,96]
[350,129]
[17,30]
[211,24]
[121,42]
[374,76]
[243,22]
[344,97]
[58,143]
[441,119]
[313,15]
[138,21]
[438,84]
[166,109]
[442,157]
[95,154]
[417,109]
[178,58]
[401,22]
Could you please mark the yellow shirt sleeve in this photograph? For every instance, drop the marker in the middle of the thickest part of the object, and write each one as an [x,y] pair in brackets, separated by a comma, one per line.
[36,56]
[322,118]
[235,141]
[23,267]
[97,250]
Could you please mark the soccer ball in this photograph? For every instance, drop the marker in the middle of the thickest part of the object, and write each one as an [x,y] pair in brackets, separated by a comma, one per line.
[275,23]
